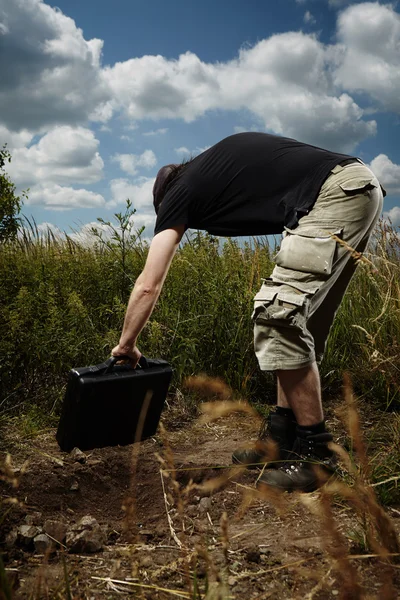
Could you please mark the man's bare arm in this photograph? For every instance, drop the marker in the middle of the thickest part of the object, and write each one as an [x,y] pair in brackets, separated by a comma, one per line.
[147,289]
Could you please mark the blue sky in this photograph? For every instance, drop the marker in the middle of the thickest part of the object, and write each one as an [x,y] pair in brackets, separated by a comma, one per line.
[97,96]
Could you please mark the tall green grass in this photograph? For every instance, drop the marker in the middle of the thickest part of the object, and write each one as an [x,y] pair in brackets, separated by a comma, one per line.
[62,305]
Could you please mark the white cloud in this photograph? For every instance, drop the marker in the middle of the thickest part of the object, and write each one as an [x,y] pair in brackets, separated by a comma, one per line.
[64,155]
[131,163]
[387,172]
[185,151]
[50,74]
[241,129]
[14,139]
[368,59]
[56,197]
[48,229]
[140,192]
[161,131]
[284,80]
[309,18]
[182,150]
[393,215]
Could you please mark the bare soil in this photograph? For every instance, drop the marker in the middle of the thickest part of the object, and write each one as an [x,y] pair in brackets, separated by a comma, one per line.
[270,548]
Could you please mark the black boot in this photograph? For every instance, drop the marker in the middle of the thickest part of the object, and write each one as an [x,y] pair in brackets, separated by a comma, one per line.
[311,463]
[278,428]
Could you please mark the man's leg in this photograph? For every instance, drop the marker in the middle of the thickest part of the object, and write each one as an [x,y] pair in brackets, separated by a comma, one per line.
[295,309]
[300,390]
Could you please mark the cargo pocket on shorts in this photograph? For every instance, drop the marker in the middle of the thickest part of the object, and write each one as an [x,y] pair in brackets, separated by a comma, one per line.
[280,303]
[281,337]
[308,250]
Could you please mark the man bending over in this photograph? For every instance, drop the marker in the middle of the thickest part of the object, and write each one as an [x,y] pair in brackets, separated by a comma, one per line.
[253,184]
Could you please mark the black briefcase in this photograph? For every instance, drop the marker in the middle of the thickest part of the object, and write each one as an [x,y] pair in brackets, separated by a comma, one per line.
[112,404]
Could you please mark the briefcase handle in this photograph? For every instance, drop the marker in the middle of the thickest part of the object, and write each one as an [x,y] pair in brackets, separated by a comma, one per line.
[143,363]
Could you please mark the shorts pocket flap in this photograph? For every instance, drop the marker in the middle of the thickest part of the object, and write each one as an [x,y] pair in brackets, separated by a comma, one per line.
[292,298]
[312,232]
[358,184]
[266,295]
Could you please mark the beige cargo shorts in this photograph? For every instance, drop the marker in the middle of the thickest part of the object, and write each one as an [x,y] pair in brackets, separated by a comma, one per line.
[296,306]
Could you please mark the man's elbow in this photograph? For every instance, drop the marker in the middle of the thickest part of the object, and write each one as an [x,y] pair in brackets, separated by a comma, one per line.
[147,289]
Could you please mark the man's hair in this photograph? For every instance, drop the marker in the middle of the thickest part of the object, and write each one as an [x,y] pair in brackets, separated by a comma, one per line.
[165,177]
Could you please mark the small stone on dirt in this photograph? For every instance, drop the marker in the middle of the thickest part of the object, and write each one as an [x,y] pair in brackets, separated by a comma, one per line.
[43,544]
[26,535]
[56,529]
[146,562]
[205,505]
[78,456]
[74,486]
[85,537]
[34,518]
[87,522]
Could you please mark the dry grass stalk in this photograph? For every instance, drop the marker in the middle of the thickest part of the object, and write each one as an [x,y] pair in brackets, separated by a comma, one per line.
[176,593]
[209,386]
[377,527]
[225,539]
[180,500]
[215,410]
[9,474]
[335,545]
[358,256]
[353,425]
[169,519]
[217,483]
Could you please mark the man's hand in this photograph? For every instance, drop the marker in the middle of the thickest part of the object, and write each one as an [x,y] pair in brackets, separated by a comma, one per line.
[133,354]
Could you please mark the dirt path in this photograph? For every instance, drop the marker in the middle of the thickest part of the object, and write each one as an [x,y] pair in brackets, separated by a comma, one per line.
[269,549]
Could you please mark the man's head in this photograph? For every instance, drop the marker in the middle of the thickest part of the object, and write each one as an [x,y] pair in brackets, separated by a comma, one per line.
[164,177]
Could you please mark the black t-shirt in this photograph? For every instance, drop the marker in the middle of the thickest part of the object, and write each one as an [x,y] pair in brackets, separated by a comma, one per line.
[247,184]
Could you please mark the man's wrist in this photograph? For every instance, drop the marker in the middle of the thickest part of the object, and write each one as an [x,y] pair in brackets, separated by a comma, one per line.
[127,346]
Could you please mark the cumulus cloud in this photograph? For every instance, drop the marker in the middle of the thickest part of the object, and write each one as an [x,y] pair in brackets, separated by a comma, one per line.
[285,80]
[56,197]
[309,18]
[161,131]
[49,73]
[368,59]
[187,153]
[182,150]
[14,139]
[393,215]
[387,172]
[64,155]
[140,192]
[131,163]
